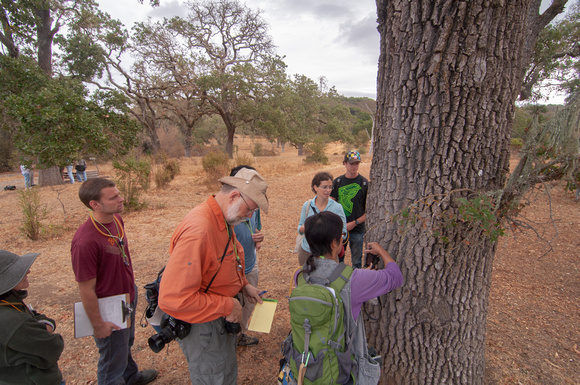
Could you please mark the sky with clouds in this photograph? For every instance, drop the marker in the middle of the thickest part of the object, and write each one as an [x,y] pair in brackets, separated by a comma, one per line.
[337,39]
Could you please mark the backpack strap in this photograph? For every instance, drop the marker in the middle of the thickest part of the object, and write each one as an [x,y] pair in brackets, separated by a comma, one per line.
[340,276]
[337,279]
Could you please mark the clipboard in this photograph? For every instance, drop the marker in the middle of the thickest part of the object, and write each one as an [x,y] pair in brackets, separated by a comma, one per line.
[115,309]
[263,316]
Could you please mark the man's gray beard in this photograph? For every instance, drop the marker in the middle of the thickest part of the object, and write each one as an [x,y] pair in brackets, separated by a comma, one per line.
[232,217]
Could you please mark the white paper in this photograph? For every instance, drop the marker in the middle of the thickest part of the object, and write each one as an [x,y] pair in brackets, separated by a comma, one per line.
[111,311]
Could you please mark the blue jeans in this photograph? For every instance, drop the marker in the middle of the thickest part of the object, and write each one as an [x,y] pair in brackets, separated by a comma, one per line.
[355,242]
[70,174]
[81,175]
[27,180]
[116,366]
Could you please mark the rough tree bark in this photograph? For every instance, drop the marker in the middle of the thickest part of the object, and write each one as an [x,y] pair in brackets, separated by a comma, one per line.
[45,35]
[449,73]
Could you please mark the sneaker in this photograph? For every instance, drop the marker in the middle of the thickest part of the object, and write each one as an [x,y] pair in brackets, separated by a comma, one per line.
[246,340]
[146,377]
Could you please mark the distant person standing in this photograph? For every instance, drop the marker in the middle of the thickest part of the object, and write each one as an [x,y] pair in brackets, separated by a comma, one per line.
[27,174]
[81,168]
[69,171]
[350,190]
[249,234]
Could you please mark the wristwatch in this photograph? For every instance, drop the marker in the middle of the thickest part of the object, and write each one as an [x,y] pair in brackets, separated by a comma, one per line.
[357,222]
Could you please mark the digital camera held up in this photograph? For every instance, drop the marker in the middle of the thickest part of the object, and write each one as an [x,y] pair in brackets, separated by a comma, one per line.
[171,328]
[372,259]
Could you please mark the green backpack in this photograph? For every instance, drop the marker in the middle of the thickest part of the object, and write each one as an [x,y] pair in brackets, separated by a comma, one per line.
[318,339]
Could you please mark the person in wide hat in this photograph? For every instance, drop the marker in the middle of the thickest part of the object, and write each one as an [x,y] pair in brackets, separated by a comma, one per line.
[29,347]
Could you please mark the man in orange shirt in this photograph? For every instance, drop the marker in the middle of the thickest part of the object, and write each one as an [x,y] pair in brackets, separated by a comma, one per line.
[204,273]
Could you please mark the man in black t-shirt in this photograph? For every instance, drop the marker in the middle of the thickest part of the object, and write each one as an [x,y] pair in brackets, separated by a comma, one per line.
[350,190]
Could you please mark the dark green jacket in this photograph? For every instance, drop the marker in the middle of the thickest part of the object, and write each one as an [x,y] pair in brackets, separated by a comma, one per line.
[28,352]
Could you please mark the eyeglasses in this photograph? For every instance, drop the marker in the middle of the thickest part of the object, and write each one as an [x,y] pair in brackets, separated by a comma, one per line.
[325,187]
[248,206]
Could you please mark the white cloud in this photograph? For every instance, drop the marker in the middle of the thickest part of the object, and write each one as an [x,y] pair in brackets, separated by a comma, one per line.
[336,39]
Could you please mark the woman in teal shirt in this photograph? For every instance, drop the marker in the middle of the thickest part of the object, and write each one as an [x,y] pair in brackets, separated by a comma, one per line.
[322,187]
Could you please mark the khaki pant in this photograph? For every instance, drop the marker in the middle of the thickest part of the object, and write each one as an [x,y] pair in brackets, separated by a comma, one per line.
[211,354]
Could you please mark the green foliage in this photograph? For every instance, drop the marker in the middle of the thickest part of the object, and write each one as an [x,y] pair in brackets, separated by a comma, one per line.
[517,143]
[522,122]
[556,59]
[361,141]
[316,152]
[479,213]
[132,178]
[33,213]
[56,119]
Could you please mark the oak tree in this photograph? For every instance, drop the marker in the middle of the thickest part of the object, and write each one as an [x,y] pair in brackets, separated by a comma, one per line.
[449,74]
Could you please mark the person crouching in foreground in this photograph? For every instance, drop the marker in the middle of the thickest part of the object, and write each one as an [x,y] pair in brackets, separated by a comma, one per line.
[29,348]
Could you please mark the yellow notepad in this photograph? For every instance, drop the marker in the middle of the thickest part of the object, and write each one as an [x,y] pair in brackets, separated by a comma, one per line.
[263,316]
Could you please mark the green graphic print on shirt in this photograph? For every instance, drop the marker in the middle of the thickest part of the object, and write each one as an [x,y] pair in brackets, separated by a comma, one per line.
[346,194]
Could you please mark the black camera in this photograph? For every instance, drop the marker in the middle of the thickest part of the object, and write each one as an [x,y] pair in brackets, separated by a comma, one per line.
[171,328]
[372,259]
[233,327]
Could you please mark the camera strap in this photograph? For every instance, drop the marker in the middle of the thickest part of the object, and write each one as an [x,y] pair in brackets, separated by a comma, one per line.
[222,258]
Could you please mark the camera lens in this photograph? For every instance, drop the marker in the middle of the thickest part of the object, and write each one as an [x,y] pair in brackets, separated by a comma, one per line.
[156,343]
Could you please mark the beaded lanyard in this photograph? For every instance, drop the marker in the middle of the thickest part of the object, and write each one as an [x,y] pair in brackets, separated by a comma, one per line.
[249,225]
[113,238]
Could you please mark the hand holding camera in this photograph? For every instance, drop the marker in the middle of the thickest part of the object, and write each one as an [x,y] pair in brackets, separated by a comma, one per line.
[375,253]
[236,314]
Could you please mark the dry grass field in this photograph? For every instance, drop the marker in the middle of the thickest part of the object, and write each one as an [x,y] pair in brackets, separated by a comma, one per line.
[533,322]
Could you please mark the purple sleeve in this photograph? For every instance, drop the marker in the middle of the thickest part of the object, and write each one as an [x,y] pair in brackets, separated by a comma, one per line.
[368,284]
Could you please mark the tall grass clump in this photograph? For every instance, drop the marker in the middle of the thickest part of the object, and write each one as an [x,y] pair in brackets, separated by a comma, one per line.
[33,213]
[244,159]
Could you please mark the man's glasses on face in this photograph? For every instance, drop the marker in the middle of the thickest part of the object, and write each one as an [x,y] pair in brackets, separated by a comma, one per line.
[248,206]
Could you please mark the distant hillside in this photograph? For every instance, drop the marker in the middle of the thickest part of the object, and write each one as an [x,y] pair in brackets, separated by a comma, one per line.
[367,105]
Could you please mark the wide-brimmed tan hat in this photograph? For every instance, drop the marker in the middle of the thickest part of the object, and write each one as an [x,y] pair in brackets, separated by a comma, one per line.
[13,268]
[251,184]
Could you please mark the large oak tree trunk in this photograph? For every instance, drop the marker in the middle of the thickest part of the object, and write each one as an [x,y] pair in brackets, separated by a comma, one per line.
[449,73]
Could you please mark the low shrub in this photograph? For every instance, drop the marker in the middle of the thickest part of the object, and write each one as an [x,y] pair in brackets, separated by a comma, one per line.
[33,213]
[258,149]
[132,178]
[315,153]
[517,143]
[165,171]
[216,164]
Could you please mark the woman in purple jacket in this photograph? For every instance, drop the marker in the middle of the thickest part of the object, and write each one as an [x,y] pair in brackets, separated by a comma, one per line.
[323,232]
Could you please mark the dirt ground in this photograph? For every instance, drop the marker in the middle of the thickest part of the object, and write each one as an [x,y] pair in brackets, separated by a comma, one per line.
[533,322]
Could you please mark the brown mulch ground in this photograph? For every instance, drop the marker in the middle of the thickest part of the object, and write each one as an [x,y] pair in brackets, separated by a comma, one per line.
[533,323]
